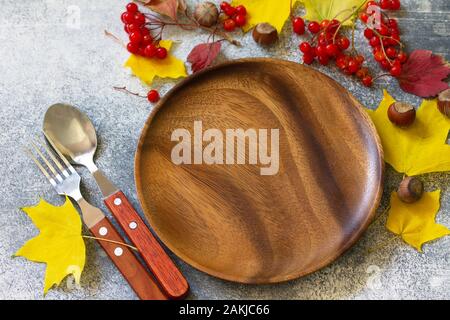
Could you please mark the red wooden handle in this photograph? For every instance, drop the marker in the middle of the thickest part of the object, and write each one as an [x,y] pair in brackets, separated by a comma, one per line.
[166,273]
[127,263]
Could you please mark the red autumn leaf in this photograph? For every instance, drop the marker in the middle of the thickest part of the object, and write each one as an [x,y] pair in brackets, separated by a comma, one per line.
[423,74]
[165,7]
[202,55]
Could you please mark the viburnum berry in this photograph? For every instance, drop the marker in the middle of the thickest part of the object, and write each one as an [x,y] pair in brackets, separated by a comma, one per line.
[314,27]
[133,47]
[308,58]
[323,60]
[385,4]
[150,51]
[402,57]
[229,24]
[229,11]
[396,70]
[161,53]
[367,81]
[127,18]
[145,31]
[364,17]
[224,5]
[139,18]
[321,51]
[391,52]
[353,66]
[343,43]
[133,27]
[146,40]
[324,24]
[392,23]
[132,7]
[394,5]
[241,10]
[240,20]
[305,47]
[298,25]
[375,41]
[368,33]
[332,49]
[135,37]
[153,96]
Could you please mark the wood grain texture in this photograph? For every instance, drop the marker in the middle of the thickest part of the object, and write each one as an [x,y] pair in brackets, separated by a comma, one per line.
[166,273]
[233,223]
[128,264]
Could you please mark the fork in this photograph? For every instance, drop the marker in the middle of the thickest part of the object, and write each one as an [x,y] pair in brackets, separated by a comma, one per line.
[66,181]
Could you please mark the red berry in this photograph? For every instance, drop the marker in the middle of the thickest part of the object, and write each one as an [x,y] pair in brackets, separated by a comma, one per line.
[305,47]
[360,59]
[361,73]
[161,52]
[353,66]
[240,20]
[135,37]
[402,57]
[324,24]
[145,31]
[379,56]
[392,23]
[308,58]
[230,11]
[153,96]
[127,18]
[391,52]
[367,81]
[333,25]
[224,5]
[133,47]
[229,24]
[332,50]
[396,70]
[139,19]
[321,51]
[371,4]
[368,33]
[322,40]
[133,27]
[146,40]
[395,4]
[342,61]
[364,17]
[241,10]
[374,41]
[385,64]
[323,60]
[385,4]
[132,7]
[384,30]
[343,43]
[313,27]
[150,51]
[298,24]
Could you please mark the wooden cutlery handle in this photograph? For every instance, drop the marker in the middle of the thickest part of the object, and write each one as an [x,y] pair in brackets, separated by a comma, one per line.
[163,268]
[131,268]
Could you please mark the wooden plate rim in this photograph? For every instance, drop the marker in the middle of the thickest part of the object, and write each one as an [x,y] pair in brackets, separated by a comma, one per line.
[277,279]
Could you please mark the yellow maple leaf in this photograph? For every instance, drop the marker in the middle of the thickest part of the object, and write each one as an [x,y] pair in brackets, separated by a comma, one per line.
[415,222]
[147,69]
[319,10]
[59,243]
[274,12]
[420,148]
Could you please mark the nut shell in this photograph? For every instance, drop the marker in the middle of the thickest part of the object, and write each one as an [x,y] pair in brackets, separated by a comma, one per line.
[265,34]
[410,190]
[444,102]
[206,14]
[401,114]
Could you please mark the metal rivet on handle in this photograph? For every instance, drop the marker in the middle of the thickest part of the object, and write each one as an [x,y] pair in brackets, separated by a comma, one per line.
[133,225]
[103,231]
[117,201]
[118,251]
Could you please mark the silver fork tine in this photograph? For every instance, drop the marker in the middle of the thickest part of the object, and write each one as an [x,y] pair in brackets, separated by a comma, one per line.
[41,167]
[61,156]
[44,159]
[56,161]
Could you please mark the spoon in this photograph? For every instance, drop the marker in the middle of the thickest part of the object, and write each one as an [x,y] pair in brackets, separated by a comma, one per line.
[74,135]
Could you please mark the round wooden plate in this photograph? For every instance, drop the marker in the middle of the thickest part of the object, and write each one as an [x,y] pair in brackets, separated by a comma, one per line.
[230,221]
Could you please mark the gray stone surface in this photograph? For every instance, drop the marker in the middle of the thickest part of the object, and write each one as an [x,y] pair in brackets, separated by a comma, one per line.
[45,58]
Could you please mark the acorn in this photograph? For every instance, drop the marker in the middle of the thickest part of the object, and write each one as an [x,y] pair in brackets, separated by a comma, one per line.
[265,34]
[401,114]
[444,102]
[206,14]
[410,190]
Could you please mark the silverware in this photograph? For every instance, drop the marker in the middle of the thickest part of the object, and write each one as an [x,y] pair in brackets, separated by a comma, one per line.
[74,135]
[66,181]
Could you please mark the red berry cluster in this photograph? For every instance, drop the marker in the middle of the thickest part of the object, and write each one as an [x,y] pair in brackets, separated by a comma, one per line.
[327,44]
[141,41]
[235,16]
[385,39]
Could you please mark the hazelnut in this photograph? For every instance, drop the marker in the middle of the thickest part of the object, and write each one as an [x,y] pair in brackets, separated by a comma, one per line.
[401,114]
[444,102]
[206,14]
[410,190]
[265,34]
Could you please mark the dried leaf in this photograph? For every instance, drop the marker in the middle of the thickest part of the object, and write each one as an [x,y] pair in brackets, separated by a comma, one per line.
[202,55]
[415,222]
[420,148]
[330,9]
[168,8]
[274,12]
[59,243]
[147,69]
[423,73]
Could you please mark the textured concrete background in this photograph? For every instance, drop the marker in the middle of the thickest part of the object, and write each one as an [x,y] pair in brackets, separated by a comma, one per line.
[45,58]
